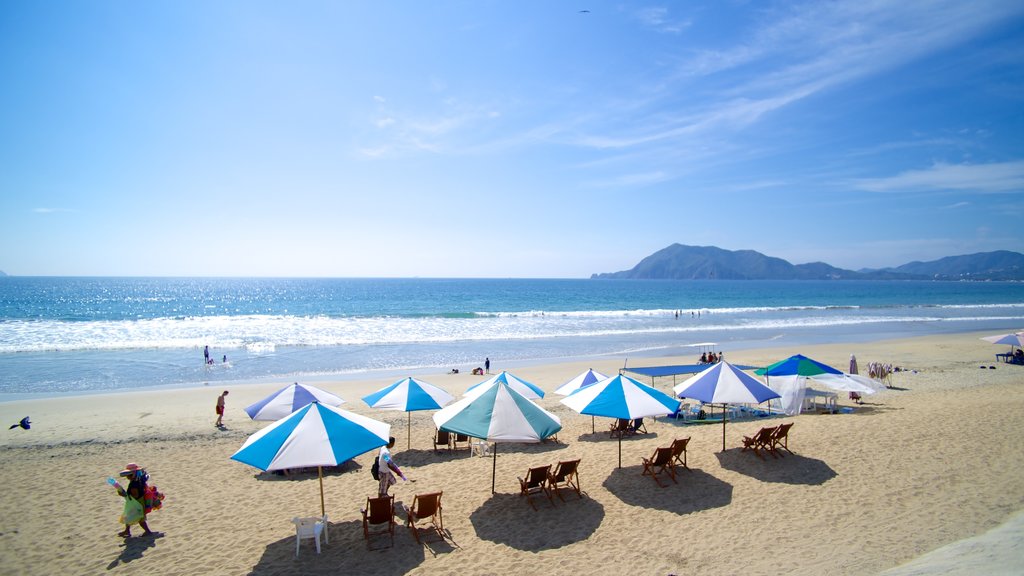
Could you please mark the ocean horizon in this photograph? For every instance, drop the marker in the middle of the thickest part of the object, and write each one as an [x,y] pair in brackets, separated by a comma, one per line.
[65,336]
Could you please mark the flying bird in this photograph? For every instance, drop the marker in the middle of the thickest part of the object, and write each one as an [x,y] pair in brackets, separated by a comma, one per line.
[584,11]
[24,424]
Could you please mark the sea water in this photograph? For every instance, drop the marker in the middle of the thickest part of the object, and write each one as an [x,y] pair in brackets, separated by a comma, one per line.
[78,335]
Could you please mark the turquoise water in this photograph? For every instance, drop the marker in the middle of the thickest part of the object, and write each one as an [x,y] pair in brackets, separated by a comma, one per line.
[73,335]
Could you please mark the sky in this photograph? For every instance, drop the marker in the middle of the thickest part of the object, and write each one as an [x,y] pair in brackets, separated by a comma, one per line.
[530,139]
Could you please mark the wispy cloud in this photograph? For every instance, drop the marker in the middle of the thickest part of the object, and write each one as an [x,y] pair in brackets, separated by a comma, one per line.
[659,19]
[995,178]
[51,210]
[630,180]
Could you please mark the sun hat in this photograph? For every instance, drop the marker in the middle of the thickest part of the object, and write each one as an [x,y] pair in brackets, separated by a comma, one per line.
[130,468]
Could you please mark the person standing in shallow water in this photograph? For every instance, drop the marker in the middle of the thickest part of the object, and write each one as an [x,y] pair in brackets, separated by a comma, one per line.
[487,365]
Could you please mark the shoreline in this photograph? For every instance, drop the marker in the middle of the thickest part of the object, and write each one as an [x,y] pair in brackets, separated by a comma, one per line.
[932,462]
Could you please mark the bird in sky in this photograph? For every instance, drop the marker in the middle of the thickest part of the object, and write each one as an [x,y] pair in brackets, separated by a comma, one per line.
[23,424]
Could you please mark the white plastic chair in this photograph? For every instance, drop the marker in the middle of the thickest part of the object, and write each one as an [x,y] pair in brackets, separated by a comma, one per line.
[310,528]
[683,412]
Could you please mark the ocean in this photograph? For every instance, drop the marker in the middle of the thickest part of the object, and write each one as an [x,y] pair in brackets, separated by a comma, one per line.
[63,336]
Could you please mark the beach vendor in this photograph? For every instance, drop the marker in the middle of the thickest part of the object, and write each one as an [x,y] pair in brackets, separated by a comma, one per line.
[387,468]
[139,499]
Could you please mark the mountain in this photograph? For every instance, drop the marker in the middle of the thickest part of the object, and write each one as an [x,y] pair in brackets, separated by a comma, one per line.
[681,262]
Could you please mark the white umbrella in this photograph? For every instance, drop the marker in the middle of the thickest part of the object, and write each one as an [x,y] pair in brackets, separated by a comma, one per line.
[498,413]
[315,435]
[409,395]
[621,397]
[528,390]
[288,400]
[580,381]
[723,383]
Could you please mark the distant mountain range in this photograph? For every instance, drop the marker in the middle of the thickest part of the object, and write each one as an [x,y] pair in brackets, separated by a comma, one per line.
[680,262]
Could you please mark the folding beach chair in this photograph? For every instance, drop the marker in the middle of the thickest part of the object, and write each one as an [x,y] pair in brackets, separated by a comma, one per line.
[378,511]
[660,462]
[679,451]
[760,441]
[536,482]
[565,475]
[425,508]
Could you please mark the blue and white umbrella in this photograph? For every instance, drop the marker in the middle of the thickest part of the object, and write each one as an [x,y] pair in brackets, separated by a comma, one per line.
[409,395]
[582,380]
[498,413]
[518,384]
[724,383]
[288,400]
[315,435]
[621,397]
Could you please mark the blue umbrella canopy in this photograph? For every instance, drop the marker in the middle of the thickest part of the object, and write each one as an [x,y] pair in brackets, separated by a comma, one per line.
[724,383]
[582,380]
[621,397]
[409,395]
[288,400]
[315,435]
[518,384]
[498,413]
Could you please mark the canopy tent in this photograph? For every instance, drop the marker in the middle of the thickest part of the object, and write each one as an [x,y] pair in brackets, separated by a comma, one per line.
[789,377]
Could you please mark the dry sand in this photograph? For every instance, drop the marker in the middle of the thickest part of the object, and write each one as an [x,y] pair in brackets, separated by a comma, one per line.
[933,462]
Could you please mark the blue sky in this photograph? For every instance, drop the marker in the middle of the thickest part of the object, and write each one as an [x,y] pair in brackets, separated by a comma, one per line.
[503,139]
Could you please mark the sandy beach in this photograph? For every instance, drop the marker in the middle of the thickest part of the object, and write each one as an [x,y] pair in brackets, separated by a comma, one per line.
[934,462]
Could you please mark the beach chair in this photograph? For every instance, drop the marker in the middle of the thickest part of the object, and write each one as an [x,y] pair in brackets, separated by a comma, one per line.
[679,451]
[379,511]
[458,440]
[425,508]
[310,528]
[760,441]
[780,439]
[565,475]
[536,482]
[619,428]
[660,462]
[637,426]
[682,412]
[442,438]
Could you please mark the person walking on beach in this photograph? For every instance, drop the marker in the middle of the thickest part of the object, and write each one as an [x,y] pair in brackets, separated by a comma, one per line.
[220,410]
[388,468]
[206,355]
[487,365]
[134,511]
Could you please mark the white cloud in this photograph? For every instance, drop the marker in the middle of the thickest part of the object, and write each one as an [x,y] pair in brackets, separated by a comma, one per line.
[992,178]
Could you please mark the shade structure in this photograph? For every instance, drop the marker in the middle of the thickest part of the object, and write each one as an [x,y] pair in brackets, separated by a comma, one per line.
[518,384]
[1014,339]
[621,397]
[288,400]
[802,367]
[498,413]
[723,383]
[314,435]
[581,380]
[409,395]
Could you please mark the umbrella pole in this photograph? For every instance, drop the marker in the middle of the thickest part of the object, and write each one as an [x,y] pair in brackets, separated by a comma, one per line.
[494,465]
[723,427]
[408,432]
[320,474]
[592,429]
[620,449]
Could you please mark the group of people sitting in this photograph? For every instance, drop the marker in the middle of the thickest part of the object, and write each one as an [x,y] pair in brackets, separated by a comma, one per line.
[711,357]
[1018,356]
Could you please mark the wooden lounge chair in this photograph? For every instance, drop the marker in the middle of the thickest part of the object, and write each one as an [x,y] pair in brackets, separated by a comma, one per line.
[637,426]
[442,438]
[760,441]
[619,428]
[379,511]
[425,508]
[536,482]
[460,441]
[679,451]
[660,462]
[565,475]
[780,439]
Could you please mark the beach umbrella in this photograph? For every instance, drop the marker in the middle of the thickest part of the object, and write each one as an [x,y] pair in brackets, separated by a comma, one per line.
[288,400]
[518,384]
[314,435]
[802,366]
[1014,339]
[621,397]
[723,383]
[498,413]
[579,381]
[409,395]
